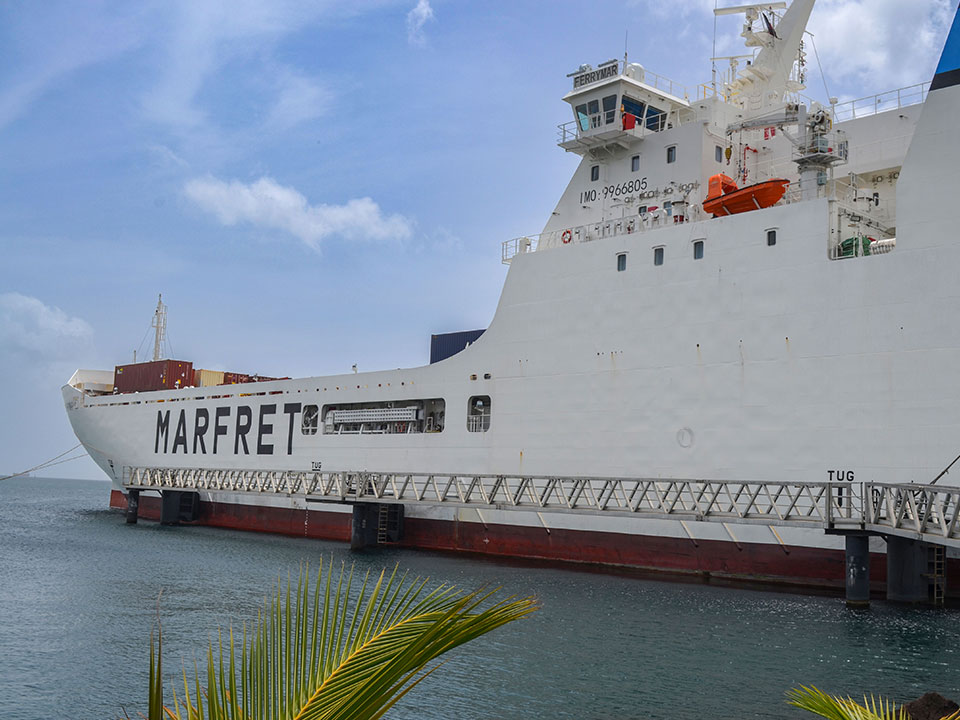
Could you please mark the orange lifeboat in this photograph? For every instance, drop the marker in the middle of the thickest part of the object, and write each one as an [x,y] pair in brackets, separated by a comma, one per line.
[724,198]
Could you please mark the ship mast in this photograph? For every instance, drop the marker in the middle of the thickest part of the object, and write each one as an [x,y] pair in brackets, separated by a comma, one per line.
[159,324]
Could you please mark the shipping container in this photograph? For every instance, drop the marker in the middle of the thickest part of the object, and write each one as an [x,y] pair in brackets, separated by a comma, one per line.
[232,378]
[156,375]
[447,344]
[207,378]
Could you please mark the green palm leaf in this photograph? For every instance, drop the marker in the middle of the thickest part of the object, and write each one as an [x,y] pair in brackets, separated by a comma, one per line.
[838,708]
[318,656]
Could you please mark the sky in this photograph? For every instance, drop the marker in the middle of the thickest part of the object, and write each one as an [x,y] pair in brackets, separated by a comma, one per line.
[313,184]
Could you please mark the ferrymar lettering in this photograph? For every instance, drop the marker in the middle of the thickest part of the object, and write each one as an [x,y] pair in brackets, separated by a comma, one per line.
[593,76]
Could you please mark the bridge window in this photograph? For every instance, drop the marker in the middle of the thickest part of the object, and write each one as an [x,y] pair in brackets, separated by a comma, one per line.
[609,109]
[656,119]
[478,413]
[671,154]
[718,154]
[384,418]
[633,107]
[593,110]
[698,250]
[621,262]
[310,420]
[583,120]
[594,173]
[658,256]
[771,237]
[635,163]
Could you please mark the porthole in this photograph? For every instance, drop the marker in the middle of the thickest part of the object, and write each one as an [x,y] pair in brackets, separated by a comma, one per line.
[698,250]
[771,237]
[621,262]
[658,256]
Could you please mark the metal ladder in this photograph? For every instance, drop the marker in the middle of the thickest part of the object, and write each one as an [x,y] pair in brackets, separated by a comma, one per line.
[383,520]
[936,567]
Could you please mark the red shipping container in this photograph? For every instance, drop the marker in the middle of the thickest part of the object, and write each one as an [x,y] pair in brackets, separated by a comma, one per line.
[149,376]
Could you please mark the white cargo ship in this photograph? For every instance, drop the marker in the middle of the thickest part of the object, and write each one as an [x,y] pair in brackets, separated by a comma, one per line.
[739,283]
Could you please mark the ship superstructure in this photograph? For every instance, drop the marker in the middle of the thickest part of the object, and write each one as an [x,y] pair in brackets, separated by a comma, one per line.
[807,338]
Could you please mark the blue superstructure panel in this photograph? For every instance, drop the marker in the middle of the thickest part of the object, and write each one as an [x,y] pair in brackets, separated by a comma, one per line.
[948,70]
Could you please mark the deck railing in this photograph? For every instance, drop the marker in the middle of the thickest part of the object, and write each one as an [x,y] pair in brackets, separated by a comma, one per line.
[881,102]
[927,512]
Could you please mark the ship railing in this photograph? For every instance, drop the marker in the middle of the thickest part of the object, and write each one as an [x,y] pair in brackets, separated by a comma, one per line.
[629,225]
[664,84]
[927,512]
[881,102]
[571,130]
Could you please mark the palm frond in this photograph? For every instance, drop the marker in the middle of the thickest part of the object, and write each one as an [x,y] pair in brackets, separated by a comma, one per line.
[318,656]
[834,707]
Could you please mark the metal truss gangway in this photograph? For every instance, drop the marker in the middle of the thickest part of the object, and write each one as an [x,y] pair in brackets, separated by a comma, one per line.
[923,512]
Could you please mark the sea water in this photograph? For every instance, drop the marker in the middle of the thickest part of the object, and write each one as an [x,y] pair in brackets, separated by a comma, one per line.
[80,590]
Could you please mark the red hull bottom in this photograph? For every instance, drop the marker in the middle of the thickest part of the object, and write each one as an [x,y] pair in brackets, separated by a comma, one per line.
[746,562]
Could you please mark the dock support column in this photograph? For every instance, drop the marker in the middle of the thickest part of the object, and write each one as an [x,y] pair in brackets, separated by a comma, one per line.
[133,506]
[858,570]
[906,568]
[363,529]
[170,508]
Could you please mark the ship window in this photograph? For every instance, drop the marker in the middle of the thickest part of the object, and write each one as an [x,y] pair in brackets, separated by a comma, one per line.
[383,418]
[609,109]
[658,256]
[634,107]
[668,208]
[621,262]
[718,154]
[671,154]
[698,250]
[478,413]
[771,237]
[583,120]
[635,163]
[656,119]
[593,110]
[310,420]
[594,173]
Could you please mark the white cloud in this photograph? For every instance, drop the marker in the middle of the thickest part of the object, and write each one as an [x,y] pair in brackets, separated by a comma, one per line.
[267,204]
[416,19]
[299,99]
[883,59]
[28,325]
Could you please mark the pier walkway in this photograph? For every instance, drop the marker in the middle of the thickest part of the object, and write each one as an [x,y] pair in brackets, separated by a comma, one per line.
[909,517]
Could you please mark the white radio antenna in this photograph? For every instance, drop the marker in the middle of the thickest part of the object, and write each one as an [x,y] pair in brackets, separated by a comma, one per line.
[160,326]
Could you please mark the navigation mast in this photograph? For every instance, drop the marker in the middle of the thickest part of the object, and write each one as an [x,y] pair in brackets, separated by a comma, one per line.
[159,324]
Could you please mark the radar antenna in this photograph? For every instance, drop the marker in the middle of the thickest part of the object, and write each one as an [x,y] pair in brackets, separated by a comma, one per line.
[159,325]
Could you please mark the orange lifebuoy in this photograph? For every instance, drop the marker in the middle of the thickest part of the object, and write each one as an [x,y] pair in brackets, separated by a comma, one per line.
[566,237]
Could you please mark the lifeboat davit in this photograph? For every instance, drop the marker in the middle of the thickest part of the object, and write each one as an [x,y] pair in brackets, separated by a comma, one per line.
[724,198]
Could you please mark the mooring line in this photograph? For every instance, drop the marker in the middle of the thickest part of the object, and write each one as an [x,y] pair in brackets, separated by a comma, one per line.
[49,463]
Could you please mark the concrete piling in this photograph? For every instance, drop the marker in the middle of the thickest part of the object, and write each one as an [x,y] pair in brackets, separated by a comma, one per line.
[858,570]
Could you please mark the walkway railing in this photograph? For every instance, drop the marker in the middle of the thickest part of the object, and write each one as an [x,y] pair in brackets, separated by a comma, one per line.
[926,511]
[881,102]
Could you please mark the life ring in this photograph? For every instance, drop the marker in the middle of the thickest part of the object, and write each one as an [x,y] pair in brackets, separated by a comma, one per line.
[566,237]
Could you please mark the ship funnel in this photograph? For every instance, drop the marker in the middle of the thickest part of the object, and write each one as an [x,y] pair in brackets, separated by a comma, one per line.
[928,178]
